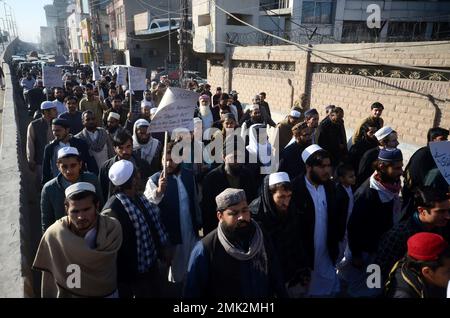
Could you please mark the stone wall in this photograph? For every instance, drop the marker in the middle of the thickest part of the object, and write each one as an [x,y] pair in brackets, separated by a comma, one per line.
[414,99]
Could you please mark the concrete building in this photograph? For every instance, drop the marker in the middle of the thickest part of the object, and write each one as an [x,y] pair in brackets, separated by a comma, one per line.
[319,21]
[56,16]
[77,46]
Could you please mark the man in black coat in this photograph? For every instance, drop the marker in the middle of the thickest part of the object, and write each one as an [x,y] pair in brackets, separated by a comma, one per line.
[377,207]
[123,147]
[291,156]
[230,174]
[367,142]
[63,138]
[314,196]
[332,136]
[277,215]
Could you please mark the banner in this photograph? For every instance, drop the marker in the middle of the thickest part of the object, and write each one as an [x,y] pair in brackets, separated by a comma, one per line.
[176,110]
[95,72]
[121,75]
[136,78]
[52,77]
[440,151]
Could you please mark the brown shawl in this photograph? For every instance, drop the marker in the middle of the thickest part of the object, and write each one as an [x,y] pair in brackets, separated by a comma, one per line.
[60,247]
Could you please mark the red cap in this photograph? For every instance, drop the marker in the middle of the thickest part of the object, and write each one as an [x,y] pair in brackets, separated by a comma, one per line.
[426,246]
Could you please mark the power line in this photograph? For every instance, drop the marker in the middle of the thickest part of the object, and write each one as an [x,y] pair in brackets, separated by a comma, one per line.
[310,48]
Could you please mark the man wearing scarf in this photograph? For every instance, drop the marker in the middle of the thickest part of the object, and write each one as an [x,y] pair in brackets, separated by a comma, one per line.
[235,260]
[276,213]
[145,146]
[377,207]
[83,238]
[144,236]
[97,139]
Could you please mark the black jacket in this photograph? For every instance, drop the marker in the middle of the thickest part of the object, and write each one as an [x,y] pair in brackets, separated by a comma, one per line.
[366,165]
[332,139]
[283,230]
[370,219]
[213,184]
[305,205]
[107,186]
[291,160]
[342,202]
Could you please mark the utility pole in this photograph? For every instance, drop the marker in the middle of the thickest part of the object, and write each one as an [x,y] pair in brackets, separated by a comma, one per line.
[183,41]
[170,38]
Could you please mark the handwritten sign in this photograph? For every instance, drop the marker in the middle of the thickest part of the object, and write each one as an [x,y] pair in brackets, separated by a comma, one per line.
[95,72]
[176,110]
[137,77]
[121,75]
[51,76]
[441,154]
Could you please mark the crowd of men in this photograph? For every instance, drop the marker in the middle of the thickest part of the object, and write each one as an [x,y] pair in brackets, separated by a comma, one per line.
[139,223]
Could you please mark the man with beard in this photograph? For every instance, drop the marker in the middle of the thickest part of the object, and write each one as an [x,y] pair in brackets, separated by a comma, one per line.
[231,174]
[223,107]
[145,146]
[277,215]
[315,198]
[285,128]
[97,139]
[374,120]
[147,100]
[236,259]
[59,100]
[63,138]
[331,136]
[377,208]
[52,196]
[123,147]
[111,94]
[85,238]
[216,97]
[237,104]
[144,236]
[291,156]
[205,111]
[368,141]
[387,138]
[174,191]
[78,92]
[73,116]
[118,108]
[93,103]
[432,208]
[265,110]
[255,118]
[113,124]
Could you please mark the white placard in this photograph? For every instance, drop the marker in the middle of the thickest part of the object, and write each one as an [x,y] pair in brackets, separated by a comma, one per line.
[137,77]
[52,77]
[121,75]
[440,151]
[95,72]
[176,110]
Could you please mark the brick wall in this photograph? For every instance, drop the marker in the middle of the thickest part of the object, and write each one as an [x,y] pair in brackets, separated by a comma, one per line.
[413,102]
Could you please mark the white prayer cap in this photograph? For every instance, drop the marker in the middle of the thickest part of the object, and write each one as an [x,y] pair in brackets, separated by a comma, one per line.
[128,92]
[295,114]
[153,110]
[120,172]
[67,151]
[310,151]
[278,177]
[79,187]
[141,123]
[47,105]
[114,115]
[383,132]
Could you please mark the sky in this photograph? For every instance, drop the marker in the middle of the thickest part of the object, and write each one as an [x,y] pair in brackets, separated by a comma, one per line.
[30,16]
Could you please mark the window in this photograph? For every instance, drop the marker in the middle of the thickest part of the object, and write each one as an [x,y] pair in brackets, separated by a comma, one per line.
[317,12]
[243,17]
[204,19]
[120,18]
